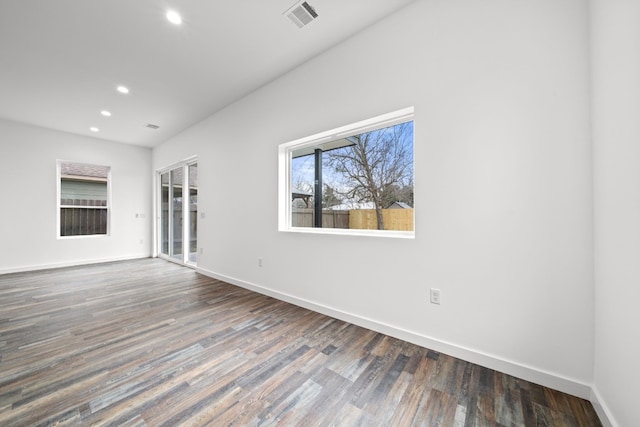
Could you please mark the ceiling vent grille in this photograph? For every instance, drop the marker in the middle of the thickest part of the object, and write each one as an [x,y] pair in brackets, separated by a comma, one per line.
[301,14]
[152,126]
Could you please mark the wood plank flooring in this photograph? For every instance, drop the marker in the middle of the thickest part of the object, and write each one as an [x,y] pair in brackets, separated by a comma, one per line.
[150,343]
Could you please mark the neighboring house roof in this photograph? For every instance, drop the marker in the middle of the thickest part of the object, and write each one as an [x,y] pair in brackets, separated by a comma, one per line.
[83,170]
[399,205]
[353,205]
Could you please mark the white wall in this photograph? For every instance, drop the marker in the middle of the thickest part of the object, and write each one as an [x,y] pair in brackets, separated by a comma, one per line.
[616,133]
[28,214]
[503,184]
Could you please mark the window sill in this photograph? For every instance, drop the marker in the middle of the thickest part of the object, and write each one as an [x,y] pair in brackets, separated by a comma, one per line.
[83,236]
[349,232]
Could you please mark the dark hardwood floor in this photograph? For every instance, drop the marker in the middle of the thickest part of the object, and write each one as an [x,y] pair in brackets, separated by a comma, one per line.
[150,343]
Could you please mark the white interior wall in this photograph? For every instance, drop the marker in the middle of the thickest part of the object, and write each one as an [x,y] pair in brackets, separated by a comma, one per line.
[615,36]
[503,184]
[28,213]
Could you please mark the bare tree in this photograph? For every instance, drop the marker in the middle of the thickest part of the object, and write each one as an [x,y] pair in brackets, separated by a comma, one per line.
[377,163]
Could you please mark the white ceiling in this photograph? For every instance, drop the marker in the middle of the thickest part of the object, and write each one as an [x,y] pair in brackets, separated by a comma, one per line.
[61,60]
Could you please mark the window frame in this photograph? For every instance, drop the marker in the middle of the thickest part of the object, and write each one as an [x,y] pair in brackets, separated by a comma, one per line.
[60,206]
[285,151]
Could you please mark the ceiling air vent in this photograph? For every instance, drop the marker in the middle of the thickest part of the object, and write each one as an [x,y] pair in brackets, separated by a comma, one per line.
[301,14]
[152,126]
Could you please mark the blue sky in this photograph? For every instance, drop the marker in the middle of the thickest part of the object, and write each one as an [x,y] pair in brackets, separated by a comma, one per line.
[303,170]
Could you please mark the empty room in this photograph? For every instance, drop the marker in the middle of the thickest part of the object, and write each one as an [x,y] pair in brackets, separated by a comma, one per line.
[319,213]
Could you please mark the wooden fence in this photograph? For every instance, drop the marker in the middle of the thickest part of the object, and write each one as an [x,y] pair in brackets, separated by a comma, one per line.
[393,219]
[83,217]
[330,218]
[361,219]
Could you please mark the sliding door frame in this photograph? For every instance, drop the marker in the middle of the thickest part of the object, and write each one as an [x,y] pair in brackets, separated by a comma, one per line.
[185,257]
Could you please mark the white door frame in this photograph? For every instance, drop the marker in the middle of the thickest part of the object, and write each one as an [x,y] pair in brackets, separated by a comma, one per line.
[186,218]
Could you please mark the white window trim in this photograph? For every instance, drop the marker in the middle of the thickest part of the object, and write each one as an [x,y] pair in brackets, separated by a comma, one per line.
[59,205]
[284,173]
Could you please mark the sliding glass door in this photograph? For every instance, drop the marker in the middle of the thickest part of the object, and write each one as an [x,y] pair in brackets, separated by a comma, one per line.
[177,222]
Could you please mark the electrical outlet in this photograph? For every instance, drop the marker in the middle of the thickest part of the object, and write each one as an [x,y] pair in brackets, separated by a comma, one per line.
[200,251]
[259,262]
[435,296]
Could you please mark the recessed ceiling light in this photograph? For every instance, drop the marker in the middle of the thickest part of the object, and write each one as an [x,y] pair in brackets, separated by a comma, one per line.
[174,17]
[105,113]
[123,89]
[94,129]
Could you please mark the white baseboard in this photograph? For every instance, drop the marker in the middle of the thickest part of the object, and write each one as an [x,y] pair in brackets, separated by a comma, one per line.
[36,267]
[532,374]
[603,411]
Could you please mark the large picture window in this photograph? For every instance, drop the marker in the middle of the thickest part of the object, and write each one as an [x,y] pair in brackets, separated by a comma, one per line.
[83,199]
[357,179]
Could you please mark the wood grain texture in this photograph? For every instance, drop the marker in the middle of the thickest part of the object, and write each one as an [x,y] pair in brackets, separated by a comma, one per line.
[151,343]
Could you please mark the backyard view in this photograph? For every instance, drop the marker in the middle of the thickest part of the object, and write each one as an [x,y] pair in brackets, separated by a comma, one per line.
[179,213]
[362,181]
[83,199]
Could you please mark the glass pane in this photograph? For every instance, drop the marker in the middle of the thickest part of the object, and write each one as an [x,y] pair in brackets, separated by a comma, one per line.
[302,188]
[82,193]
[164,213]
[367,181]
[176,205]
[83,199]
[193,213]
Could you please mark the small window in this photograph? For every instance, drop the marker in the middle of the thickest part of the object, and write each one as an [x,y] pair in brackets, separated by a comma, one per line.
[83,202]
[357,179]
